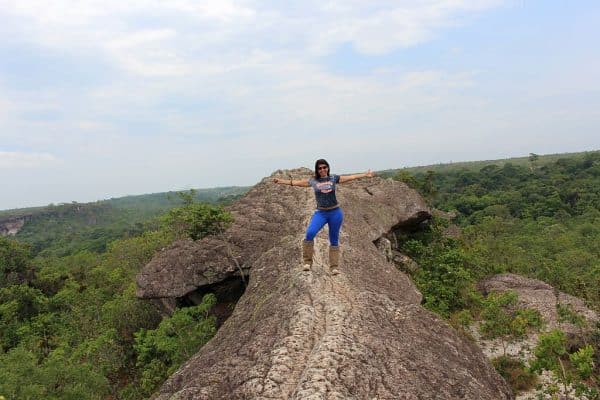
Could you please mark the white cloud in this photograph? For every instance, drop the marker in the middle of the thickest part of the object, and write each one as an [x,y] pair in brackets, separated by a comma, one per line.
[191,31]
[176,84]
[17,160]
[384,26]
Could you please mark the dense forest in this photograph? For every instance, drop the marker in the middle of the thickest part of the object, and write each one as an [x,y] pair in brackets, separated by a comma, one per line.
[72,328]
[70,324]
[540,219]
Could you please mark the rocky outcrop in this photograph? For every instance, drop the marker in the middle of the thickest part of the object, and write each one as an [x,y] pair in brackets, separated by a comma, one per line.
[541,297]
[544,298]
[11,226]
[389,250]
[309,335]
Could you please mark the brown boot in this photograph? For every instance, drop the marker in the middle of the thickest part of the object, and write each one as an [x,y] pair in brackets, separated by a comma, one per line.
[334,259]
[308,247]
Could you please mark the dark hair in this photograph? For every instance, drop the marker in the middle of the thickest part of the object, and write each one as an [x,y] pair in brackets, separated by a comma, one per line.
[321,161]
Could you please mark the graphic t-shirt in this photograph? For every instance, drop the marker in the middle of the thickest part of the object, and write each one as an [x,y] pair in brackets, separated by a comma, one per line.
[325,191]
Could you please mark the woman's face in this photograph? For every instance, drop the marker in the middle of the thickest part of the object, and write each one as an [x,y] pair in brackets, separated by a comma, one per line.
[323,170]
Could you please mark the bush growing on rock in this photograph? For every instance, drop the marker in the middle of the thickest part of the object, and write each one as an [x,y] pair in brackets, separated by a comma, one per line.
[502,318]
[515,373]
[197,220]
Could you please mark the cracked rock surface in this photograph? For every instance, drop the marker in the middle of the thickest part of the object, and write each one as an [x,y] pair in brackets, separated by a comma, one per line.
[309,335]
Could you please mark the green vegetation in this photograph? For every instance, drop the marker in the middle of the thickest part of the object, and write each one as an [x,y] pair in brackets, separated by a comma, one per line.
[62,230]
[501,318]
[72,228]
[540,222]
[515,372]
[196,220]
[539,160]
[14,261]
[162,351]
[70,329]
[71,326]
[538,216]
[552,354]
[444,279]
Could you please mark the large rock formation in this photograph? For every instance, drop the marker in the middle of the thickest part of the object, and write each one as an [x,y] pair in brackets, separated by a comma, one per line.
[308,335]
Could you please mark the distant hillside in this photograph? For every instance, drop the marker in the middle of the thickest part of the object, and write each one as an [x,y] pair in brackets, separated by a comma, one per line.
[71,227]
[540,160]
[163,200]
[151,204]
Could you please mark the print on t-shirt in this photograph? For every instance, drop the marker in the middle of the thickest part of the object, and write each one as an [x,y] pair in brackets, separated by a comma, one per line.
[324,187]
[325,191]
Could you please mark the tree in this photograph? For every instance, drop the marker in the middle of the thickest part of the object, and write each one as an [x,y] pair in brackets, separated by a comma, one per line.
[188,197]
[406,177]
[551,354]
[14,261]
[428,186]
[533,159]
[198,220]
[443,279]
[18,304]
[503,320]
[162,350]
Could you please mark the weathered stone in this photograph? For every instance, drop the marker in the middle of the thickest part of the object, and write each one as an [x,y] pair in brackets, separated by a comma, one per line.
[542,297]
[309,335]
[385,247]
[404,262]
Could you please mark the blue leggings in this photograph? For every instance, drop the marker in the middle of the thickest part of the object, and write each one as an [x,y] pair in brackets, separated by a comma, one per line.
[333,218]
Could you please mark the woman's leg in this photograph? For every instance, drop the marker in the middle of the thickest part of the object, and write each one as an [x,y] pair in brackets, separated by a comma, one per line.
[334,220]
[317,223]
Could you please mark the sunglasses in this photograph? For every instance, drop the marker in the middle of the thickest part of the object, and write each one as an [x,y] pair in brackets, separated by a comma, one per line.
[322,167]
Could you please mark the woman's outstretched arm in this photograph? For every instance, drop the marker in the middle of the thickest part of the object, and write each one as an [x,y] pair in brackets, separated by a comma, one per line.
[292,182]
[348,178]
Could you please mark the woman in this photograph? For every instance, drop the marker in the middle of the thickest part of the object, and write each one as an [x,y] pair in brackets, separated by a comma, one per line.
[328,211]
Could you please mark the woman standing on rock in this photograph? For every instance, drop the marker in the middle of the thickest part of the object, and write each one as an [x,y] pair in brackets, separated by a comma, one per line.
[328,211]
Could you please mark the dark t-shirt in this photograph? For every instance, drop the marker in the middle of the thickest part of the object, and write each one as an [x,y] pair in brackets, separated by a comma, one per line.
[325,191]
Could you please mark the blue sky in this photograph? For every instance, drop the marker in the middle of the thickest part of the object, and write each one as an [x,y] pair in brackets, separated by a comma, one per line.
[105,99]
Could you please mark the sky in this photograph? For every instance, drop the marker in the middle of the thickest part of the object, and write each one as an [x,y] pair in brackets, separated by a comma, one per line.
[106,98]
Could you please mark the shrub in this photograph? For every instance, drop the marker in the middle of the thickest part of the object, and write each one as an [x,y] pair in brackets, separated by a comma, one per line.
[515,373]
[198,220]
